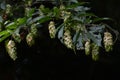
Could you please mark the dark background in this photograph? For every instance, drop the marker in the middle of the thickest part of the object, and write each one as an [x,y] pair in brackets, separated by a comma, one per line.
[49,60]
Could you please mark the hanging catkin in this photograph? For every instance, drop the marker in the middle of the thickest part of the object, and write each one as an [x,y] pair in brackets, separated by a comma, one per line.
[67,39]
[95,52]
[30,39]
[34,30]
[87,47]
[11,49]
[52,30]
[108,41]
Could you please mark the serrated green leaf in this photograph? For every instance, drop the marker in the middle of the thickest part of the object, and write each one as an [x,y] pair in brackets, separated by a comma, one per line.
[38,18]
[100,19]
[46,10]
[75,37]
[88,20]
[60,26]
[75,18]
[2,33]
[44,19]
[56,12]
[97,39]
[79,44]
[97,28]
[87,14]
[11,25]
[85,38]
[75,5]
[78,40]
[4,37]
[31,21]
[21,21]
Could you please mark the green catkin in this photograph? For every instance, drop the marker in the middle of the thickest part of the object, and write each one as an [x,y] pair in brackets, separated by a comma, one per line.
[30,39]
[52,30]
[34,30]
[27,10]
[95,52]
[29,3]
[67,39]
[11,49]
[67,15]
[87,47]
[16,37]
[63,13]
[108,41]
[8,8]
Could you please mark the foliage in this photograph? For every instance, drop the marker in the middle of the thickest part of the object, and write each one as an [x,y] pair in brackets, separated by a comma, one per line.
[70,21]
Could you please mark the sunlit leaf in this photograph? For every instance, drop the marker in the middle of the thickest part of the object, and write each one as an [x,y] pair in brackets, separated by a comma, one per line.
[4,37]
[44,19]
[21,21]
[56,12]
[6,22]
[2,33]
[31,21]
[11,25]
[29,12]
[46,10]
